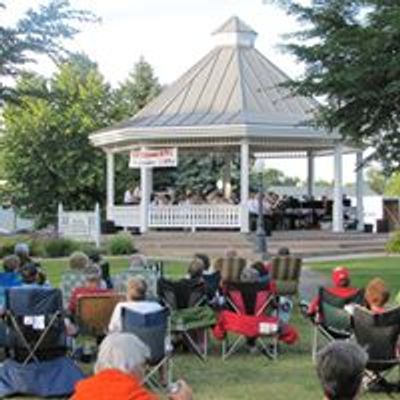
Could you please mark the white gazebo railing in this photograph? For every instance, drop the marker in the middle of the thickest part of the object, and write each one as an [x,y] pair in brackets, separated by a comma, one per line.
[178,216]
[124,216]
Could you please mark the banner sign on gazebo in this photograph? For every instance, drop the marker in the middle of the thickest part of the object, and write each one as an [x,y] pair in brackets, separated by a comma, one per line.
[167,157]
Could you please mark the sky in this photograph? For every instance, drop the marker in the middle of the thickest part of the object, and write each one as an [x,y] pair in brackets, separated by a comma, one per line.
[172,35]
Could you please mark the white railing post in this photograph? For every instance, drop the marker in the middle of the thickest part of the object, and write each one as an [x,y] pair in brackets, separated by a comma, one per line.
[97,224]
[310,173]
[244,186]
[110,184]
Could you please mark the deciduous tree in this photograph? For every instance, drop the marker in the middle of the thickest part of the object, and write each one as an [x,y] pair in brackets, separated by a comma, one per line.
[351,50]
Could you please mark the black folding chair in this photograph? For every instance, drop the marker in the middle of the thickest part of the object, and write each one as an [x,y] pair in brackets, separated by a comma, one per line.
[154,330]
[332,320]
[379,334]
[36,322]
[190,314]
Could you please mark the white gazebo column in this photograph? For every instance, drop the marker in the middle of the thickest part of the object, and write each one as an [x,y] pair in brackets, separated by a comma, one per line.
[360,191]
[244,186]
[145,190]
[310,174]
[337,190]
[110,183]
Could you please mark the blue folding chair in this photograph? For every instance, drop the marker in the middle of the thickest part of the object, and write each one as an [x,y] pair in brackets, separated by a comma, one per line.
[37,344]
[154,330]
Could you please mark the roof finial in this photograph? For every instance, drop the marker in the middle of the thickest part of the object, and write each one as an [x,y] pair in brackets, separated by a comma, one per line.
[235,32]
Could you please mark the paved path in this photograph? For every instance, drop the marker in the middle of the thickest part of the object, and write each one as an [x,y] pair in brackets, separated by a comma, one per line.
[310,281]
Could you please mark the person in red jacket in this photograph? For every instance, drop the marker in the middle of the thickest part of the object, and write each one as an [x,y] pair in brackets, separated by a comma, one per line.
[92,286]
[119,372]
[341,288]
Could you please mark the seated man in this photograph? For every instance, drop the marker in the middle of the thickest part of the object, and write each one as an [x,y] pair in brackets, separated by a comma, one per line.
[340,367]
[135,300]
[92,286]
[341,288]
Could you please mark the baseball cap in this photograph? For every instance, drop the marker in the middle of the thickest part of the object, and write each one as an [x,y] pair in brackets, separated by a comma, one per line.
[340,275]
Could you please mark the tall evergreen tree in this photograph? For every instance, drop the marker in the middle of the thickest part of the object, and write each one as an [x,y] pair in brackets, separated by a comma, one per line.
[138,89]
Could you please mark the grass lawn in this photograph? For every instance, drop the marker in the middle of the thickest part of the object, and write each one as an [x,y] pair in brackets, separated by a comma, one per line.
[246,376]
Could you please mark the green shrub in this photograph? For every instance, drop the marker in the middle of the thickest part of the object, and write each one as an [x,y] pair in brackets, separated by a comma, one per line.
[7,245]
[393,244]
[121,244]
[60,247]
[36,247]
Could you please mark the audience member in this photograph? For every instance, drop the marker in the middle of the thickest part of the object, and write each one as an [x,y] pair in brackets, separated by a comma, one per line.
[195,269]
[21,250]
[284,251]
[78,261]
[92,286]
[340,367]
[249,275]
[262,270]
[97,259]
[119,371]
[11,264]
[135,300]
[377,295]
[341,288]
[206,261]
[137,261]
[32,276]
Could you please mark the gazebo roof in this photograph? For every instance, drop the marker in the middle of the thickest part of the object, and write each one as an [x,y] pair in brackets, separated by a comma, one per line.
[232,92]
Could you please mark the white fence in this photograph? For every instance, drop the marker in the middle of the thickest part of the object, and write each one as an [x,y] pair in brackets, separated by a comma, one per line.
[179,216]
[80,225]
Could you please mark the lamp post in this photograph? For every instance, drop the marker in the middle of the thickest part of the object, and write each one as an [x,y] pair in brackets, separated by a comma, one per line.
[261,237]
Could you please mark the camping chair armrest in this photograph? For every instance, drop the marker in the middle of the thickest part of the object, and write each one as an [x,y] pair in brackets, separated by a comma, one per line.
[303,305]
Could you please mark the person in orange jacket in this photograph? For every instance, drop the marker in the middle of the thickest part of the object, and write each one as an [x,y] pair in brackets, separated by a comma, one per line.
[119,371]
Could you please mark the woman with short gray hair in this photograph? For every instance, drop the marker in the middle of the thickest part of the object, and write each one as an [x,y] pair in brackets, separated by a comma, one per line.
[340,368]
[119,372]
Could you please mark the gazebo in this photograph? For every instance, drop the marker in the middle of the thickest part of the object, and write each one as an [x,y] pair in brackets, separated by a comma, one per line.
[230,101]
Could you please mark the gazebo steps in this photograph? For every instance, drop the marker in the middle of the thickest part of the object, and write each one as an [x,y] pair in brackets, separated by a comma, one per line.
[311,243]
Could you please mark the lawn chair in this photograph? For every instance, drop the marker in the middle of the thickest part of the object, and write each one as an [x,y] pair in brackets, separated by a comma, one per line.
[212,281]
[93,313]
[8,280]
[70,280]
[37,345]
[154,330]
[150,275]
[379,334]
[190,314]
[230,268]
[285,271]
[249,305]
[332,320]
